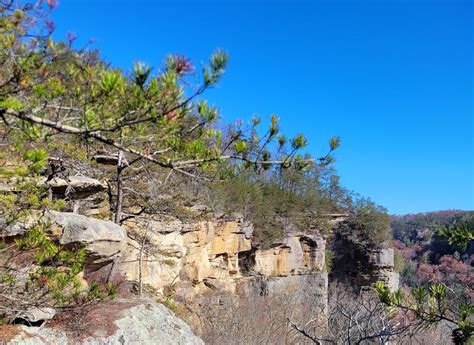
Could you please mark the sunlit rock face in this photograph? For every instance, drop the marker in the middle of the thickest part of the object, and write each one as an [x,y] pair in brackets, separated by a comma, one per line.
[176,251]
[101,238]
[213,267]
[212,255]
[298,254]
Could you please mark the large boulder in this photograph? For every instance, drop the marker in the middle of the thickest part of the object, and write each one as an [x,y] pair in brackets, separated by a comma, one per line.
[104,240]
[37,314]
[16,228]
[79,187]
[115,322]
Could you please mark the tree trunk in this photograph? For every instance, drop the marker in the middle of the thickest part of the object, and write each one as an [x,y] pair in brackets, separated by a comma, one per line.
[119,205]
[140,262]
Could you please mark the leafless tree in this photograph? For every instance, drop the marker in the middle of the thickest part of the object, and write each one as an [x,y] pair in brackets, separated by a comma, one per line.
[258,316]
[357,318]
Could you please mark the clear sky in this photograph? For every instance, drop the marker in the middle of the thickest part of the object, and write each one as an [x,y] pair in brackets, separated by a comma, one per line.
[394,79]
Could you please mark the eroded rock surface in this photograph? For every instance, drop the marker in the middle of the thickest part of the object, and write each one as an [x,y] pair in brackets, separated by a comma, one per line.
[298,254]
[209,264]
[78,187]
[115,322]
[104,240]
[37,314]
[383,262]
[362,266]
[213,254]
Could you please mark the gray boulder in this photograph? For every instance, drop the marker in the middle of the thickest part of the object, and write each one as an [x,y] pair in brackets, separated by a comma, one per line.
[117,322]
[102,238]
[79,187]
[36,314]
[12,229]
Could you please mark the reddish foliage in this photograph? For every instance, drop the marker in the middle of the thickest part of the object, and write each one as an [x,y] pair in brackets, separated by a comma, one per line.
[417,249]
[182,65]
[456,270]
[428,273]
[399,245]
[409,253]
[448,271]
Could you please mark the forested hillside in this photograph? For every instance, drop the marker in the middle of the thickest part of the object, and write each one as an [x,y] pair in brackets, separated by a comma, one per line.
[425,256]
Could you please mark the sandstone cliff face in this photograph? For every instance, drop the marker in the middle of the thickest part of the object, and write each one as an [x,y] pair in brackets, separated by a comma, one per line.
[298,254]
[213,267]
[195,256]
[210,266]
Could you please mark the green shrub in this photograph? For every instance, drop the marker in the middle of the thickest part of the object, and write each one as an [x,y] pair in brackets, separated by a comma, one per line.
[38,159]
[276,202]
[170,303]
[367,224]
[329,260]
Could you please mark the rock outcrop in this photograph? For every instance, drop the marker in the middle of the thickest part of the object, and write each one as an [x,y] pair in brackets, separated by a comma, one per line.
[36,314]
[212,266]
[12,229]
[205,265]
[174,251]
[215,255]
[363,266]
[77,187]
[298,254]
[115,322]
[382,260]
[104,240]
[154,253]
[87,195]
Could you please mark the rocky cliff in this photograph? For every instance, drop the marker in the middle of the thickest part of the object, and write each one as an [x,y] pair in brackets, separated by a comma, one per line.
[363,266]
[213,264]
[205,268]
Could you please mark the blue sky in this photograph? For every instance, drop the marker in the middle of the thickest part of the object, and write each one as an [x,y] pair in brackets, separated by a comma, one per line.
[394,79]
